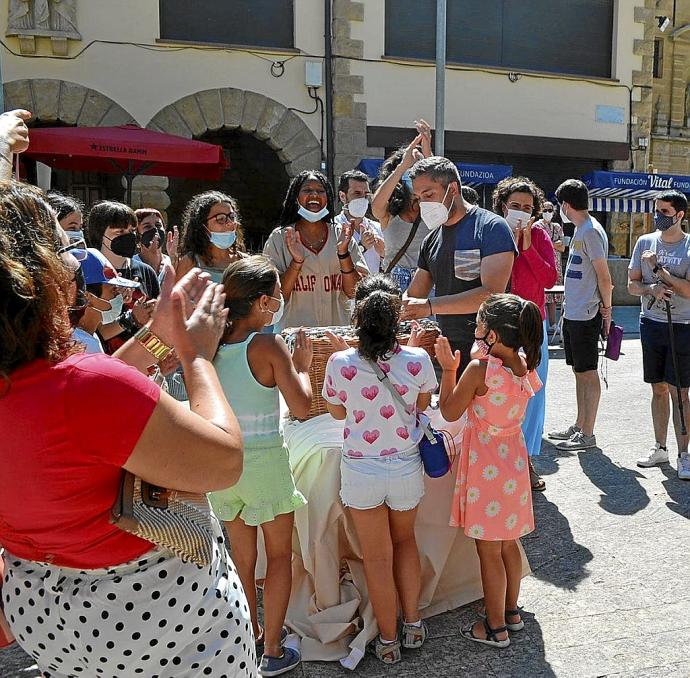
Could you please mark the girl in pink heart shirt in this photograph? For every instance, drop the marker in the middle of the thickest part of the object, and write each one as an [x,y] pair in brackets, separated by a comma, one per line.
[381,470]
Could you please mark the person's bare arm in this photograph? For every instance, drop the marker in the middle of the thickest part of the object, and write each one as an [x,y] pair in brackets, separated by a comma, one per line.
[455,398]
[184,266]
[336,411]
[423,401]
[291,372]
[200,449]
[604,283]
[495,273]
[421,285]
[14,138]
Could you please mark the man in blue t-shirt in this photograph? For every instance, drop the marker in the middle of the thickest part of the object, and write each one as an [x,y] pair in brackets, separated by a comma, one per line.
[467,256]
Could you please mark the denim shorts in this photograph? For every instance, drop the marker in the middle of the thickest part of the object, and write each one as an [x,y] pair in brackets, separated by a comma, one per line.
[396,480]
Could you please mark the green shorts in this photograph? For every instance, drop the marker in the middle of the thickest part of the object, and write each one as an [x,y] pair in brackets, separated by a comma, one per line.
[265,490]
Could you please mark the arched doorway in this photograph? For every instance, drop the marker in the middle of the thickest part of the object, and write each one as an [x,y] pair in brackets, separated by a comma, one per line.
[62,103]
[256,178]
[266,143]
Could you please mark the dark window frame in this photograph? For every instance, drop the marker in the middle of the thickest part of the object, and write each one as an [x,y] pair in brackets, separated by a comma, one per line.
[658,58]
[490,43]
[169,34]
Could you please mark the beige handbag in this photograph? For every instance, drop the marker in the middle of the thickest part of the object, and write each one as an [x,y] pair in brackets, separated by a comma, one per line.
[176,520]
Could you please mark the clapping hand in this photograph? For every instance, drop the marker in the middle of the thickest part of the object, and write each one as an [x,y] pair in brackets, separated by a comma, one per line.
[293,242]
[424,131]
[524,233]
[337,342]
[447,359]
[303,353]
[13,130]
[415,334]
[172,245]
[345,236]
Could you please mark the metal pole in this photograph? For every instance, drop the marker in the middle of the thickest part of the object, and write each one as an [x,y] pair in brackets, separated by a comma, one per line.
[328,52]
[439,145]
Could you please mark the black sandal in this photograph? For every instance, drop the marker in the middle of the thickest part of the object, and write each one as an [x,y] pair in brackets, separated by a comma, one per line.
[536,481]
[491,639]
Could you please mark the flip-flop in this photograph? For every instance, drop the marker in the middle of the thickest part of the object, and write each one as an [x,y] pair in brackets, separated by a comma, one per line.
[468,632]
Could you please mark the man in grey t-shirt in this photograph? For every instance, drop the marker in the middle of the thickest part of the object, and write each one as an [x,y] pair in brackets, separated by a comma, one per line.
[586,311]
[659,274]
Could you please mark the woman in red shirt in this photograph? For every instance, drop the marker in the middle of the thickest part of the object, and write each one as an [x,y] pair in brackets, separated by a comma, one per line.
[81,596]
[520,201]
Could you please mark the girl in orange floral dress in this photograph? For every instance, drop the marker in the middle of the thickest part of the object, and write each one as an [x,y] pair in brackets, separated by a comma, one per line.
[492,500]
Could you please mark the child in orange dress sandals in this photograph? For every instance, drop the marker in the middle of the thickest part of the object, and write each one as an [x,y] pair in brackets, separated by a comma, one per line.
[493,501]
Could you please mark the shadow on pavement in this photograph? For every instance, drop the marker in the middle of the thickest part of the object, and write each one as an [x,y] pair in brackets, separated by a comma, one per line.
[623,495]
[677,490]
[546,462]
[552,551]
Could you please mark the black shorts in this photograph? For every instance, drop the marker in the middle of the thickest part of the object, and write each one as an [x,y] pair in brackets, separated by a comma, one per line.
[581,342]
[657,361]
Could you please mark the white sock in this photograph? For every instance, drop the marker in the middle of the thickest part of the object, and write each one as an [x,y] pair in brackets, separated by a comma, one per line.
[417,624]
[386,642]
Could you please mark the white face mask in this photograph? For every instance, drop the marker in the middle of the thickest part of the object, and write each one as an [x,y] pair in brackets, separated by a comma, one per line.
[434,214]
[547,216]
[312,217]
[514,216]
[358,207]
[564,218]
[277,315]
[113,314]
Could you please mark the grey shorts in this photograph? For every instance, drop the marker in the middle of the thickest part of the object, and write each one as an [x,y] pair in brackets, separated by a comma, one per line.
[396,480]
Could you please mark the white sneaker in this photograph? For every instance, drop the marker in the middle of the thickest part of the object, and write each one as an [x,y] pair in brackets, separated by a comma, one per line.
[657,455]
[684,467]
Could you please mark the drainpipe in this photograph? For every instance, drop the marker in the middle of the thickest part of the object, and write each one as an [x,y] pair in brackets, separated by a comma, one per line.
[673,71]
[328,52]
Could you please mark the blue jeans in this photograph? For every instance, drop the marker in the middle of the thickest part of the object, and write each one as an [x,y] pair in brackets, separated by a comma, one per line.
[533,426]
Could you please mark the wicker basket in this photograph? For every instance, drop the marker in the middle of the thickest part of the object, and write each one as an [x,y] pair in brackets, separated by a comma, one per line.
[323,351]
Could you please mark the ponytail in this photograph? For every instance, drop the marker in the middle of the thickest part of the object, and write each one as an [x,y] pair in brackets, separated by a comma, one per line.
[378,305]
[531,333]
[517,322]
[244,281]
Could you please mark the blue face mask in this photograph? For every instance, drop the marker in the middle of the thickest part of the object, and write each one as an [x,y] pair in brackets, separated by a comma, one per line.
[663,222]
[223,241]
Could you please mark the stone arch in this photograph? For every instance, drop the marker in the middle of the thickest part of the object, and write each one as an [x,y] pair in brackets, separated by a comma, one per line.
[67,102]
[253,113]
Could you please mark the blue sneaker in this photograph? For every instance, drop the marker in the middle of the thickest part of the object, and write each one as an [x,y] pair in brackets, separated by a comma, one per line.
[275,666]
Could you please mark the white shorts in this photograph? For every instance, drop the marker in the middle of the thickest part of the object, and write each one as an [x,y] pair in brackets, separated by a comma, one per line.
[396,480]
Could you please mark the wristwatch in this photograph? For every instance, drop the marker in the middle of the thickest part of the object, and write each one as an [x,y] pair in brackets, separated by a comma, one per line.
[152,343]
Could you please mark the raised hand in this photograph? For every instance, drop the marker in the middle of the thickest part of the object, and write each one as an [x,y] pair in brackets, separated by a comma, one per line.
[13,130]
[526,233]
[293,242]
[447,359]
[415,334]
[345,236]
[424,129]
[143,310]
[337,342]
[303,353]
[172,245]
[409,157]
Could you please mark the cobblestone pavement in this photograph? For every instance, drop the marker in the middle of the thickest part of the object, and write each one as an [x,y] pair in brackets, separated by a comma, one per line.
[609,594]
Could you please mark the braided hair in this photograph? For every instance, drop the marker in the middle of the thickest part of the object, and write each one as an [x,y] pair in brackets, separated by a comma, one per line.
[289,214]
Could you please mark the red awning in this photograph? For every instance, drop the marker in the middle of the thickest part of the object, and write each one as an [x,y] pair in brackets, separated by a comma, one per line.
[127,150]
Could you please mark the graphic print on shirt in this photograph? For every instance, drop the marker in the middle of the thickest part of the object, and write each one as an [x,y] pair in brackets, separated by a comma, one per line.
[376,425]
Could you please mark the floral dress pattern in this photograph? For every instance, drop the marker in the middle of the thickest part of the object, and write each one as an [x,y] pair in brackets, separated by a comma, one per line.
[493,499]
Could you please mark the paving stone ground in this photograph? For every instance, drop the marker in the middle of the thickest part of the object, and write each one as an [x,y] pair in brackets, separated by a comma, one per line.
[610,589]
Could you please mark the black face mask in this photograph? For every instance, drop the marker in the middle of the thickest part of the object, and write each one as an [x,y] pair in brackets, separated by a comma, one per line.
[148,236]
[124,245]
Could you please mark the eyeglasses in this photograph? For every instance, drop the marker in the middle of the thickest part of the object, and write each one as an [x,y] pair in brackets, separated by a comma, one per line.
[223,218]
[76,250]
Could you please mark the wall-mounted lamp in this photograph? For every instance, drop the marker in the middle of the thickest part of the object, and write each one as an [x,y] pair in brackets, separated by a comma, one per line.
[663,22]
[643,142]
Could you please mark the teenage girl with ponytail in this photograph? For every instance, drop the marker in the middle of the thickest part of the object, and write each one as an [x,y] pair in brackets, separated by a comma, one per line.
[381,469]
[493,501]
[253,368]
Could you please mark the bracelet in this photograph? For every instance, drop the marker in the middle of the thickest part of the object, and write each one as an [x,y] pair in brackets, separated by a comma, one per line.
[352,270]
[343,256]
[431,310]
[294,261]
[152,343]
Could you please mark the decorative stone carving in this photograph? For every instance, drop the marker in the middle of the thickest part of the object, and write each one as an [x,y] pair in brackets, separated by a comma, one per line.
[55,19]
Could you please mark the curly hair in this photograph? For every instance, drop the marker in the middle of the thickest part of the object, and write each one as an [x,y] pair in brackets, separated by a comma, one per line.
[245,281]
[34,321]
[289,214]
[196,241]
[378,304]
[506,187]
[517,323]
[401,198]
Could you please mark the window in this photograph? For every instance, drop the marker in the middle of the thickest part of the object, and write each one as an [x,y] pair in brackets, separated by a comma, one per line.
[558,36]
[261,23]
[658,65]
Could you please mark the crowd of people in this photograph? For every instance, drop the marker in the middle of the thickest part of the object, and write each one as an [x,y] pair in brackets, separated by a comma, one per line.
[111,312]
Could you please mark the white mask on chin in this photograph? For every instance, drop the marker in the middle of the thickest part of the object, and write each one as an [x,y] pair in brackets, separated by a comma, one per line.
[312,217]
